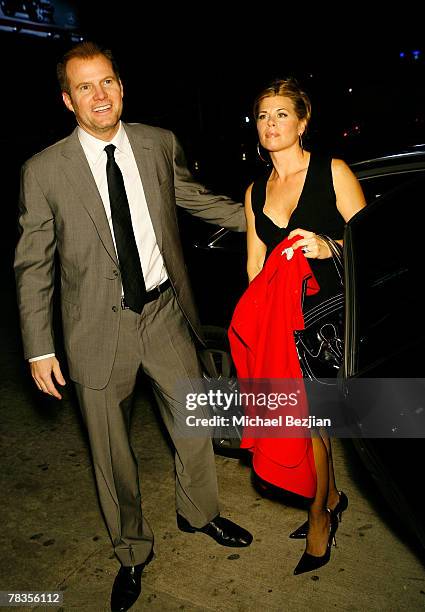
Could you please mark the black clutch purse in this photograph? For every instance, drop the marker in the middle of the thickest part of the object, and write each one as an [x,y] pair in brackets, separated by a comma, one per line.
[320,346]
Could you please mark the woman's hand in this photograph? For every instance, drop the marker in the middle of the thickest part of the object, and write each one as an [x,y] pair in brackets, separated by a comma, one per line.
[312,245]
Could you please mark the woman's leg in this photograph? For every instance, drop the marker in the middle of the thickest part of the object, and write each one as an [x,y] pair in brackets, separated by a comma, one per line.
[334,498]
[333,495]
[318,516]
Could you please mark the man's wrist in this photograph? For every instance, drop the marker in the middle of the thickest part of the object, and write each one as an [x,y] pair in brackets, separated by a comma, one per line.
[31,359]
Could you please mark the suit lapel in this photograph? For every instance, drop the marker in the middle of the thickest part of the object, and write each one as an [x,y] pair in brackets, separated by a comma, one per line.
[143,153]
[77,170]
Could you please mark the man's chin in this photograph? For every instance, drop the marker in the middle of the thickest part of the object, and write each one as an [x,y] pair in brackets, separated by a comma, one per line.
[108,124]
[106,127]
[99,129]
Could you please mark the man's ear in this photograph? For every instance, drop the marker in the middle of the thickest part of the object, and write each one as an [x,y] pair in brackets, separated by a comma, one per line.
[122,89]
[67,101]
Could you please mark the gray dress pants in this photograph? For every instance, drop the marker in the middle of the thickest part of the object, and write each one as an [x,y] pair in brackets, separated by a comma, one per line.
[160,343]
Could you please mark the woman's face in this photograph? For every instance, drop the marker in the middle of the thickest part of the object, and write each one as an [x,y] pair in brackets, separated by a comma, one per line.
[277,123]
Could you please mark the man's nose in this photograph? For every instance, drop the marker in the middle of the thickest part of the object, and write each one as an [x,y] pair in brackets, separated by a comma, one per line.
[99,93]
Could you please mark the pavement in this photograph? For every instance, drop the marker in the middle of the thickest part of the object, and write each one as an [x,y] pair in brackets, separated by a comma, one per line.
[53,537]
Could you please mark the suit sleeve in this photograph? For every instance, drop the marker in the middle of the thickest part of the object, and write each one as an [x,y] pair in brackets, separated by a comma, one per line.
[34,266]
[201,202]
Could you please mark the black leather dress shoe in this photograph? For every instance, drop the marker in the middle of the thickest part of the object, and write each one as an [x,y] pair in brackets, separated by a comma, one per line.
[222,530]
[128,585]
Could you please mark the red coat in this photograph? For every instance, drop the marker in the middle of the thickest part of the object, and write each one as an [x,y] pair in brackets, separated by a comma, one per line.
[263,347]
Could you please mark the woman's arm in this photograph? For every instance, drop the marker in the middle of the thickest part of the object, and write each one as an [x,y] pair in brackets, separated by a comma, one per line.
[256,247]
[349,195]
[349,200]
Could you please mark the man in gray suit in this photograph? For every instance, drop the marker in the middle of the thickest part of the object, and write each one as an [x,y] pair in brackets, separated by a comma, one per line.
[104,199]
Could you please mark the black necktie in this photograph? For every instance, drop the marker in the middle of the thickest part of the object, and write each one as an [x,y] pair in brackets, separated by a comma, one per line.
[128,255]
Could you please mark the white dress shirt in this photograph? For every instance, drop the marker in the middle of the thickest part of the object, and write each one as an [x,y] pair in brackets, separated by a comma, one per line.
[150,257]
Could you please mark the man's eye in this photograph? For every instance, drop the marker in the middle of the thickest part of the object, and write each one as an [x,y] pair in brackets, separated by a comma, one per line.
[84,88]
[108,81]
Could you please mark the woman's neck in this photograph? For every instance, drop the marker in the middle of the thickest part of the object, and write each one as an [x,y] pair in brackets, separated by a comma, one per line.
[288,162]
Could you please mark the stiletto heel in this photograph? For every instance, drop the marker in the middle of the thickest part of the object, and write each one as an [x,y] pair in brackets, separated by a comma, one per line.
[342,505]
[308,562]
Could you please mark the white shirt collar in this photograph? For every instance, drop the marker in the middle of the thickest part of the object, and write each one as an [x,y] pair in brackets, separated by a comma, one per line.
[94,147]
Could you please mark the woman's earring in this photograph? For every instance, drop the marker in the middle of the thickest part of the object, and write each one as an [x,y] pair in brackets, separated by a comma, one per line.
[300,140]
[260,156]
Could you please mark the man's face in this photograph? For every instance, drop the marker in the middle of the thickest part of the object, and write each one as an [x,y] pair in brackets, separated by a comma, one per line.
[95,95]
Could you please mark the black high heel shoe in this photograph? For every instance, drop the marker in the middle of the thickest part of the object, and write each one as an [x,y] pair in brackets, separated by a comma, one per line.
[308,562]
[300,533]
[342,505]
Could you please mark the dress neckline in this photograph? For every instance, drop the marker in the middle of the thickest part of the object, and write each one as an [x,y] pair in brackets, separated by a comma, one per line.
[284,227]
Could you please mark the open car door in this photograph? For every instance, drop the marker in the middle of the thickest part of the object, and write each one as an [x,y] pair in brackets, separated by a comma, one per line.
[384,368]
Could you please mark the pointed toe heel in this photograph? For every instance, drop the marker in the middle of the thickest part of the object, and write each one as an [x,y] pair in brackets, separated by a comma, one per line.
[300,533]
[308,562]
[342,505]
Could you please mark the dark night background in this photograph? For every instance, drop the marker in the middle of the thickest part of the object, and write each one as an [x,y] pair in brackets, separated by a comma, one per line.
[196,72]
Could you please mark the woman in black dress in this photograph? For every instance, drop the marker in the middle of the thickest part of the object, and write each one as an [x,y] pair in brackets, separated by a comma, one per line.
[303,194]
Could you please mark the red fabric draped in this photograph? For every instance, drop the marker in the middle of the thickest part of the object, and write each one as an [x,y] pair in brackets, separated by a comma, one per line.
[263,348]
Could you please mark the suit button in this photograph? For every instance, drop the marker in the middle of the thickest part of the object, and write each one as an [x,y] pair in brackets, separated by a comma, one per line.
[115,272]
[115,308]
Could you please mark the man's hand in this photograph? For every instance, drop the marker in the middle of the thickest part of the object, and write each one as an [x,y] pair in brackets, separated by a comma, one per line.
[41,372]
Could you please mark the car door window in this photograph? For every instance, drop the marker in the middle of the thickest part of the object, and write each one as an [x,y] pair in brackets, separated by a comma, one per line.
[384,272]
[374,187]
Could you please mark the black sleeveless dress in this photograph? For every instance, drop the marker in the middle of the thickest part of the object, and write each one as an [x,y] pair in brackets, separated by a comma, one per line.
[316,211]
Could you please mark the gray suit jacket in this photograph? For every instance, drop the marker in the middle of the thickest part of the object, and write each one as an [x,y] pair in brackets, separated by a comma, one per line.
[61,210]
